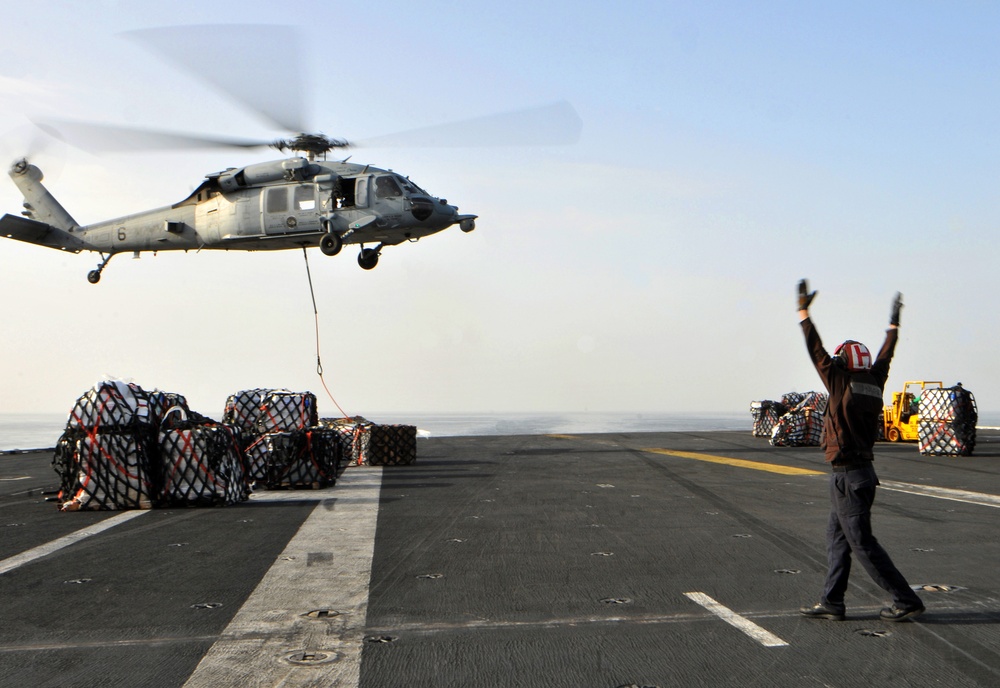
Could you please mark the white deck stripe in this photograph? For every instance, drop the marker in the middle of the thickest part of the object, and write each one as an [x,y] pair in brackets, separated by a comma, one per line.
[762,636]
[980,498]
[48,548]
[326,565]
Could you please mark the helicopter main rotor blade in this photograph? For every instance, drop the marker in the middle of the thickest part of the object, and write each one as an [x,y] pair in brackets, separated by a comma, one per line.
[547,125]
[256,65]
[104,138]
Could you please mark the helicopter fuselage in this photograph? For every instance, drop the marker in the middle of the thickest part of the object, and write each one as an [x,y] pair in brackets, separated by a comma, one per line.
[284,204]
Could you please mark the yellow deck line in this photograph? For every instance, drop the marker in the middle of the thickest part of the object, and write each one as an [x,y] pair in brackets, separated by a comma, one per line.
[739,463]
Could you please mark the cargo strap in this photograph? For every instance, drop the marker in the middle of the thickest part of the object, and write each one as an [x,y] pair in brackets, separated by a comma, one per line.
[319,362]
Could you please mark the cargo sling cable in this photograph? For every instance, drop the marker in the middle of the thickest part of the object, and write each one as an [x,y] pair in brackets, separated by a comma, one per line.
[319,362]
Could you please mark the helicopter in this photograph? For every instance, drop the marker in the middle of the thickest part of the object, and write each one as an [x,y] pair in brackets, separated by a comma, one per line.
[293,203]
[297,202]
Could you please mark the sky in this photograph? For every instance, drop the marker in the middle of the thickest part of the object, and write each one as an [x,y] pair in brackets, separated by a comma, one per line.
[727,151]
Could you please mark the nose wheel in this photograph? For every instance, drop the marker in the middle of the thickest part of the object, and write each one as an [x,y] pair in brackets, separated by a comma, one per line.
[94,276]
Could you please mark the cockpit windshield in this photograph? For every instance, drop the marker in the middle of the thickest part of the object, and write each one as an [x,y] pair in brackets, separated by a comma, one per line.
[394,186]
[409,187]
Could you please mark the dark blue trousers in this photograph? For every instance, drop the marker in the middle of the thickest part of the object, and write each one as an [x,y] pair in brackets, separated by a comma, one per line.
[850,532]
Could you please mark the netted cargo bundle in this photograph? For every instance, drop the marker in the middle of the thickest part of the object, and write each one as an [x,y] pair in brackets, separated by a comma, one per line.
[354,435]
[178,418]
[392,445]
[765,415]
[343,422]
[947,424]
[202,465]
[792,399]
[105,470]
[286,412]
[321,460]
[243,408]
[310,458]
[813,400]
[255,458]
[161,403]
[111,406]
[802,428]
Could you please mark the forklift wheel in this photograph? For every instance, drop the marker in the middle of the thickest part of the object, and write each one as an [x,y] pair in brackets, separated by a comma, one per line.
[893,434]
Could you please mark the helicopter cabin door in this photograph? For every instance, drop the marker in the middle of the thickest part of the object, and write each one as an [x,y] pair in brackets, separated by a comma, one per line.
[290,209]
[352,200]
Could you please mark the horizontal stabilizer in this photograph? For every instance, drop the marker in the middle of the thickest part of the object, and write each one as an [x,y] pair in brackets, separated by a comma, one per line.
[34,232]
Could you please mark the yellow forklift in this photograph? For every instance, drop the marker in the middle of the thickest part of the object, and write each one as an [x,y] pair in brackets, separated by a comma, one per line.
[900,420]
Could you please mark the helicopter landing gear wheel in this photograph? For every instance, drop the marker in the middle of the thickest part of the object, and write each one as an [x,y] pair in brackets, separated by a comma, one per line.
[94,276]
[368,258]
[330,244]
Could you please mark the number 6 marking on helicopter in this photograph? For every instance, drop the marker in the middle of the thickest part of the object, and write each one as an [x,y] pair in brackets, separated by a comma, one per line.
[121,234]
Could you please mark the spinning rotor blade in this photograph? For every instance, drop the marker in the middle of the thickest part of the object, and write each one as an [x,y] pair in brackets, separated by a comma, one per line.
[547,125]
[257,65]
[28,143]
[103,138]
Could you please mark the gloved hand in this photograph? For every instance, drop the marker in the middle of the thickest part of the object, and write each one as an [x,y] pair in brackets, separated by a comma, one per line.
[897,306]
[805,298]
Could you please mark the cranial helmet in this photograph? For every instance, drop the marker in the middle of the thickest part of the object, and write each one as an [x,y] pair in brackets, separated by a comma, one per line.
[854,356]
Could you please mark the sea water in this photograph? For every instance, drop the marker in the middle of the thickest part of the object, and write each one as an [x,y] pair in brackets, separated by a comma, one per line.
[42,430]
[30,430]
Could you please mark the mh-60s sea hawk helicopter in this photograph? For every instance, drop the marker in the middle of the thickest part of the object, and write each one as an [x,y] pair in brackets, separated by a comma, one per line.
[297,202]
[293,203]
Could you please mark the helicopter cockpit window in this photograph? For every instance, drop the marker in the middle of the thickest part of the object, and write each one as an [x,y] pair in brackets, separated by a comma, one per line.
[305,197]
[277,200]
[409,187]
[386,187]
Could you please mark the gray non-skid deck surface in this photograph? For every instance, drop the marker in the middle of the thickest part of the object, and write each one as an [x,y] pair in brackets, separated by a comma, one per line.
[534,561]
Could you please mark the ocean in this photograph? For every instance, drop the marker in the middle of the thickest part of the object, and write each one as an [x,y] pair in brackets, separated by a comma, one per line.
[42,430]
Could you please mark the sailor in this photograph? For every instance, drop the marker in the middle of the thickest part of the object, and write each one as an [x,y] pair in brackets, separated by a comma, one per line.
[855,384]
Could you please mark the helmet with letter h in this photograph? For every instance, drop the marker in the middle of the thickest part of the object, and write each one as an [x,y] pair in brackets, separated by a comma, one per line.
[853,356]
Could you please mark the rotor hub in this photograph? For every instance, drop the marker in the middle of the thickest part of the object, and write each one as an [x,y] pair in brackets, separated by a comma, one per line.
[311,144]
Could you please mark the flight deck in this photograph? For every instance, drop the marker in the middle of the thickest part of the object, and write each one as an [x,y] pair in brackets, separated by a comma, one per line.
[599,560]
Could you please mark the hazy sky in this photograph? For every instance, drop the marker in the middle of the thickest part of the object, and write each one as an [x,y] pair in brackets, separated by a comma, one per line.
[728,150]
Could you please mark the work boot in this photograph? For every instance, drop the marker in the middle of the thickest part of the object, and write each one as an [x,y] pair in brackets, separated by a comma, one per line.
[896,613]
[823,611]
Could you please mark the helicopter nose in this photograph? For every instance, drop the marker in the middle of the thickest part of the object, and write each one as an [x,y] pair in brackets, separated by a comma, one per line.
[422,208]
[446,212]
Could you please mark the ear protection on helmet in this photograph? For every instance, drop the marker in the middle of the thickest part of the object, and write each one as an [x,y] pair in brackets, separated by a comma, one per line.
[854,356]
